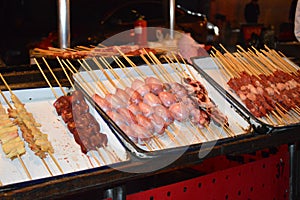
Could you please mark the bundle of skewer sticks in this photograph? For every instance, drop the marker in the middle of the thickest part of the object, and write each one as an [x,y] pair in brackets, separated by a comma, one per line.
[173,132]
[36,140]
[52,52]
[13,146]
[110,152]
[266,82]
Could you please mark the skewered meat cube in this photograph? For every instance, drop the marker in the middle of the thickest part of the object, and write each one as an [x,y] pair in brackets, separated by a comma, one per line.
[116,117]
[145,122]
[61,104]
[152,100]
[179,112]
[164,113]
[135,109]
[135,97]
[143,134]
[129,117]
[158,123]
[146,109]
[123,95]
[167,98]
[156,86]
[129,132]
[115,101]
[102,102]
[178,90]
[140,86]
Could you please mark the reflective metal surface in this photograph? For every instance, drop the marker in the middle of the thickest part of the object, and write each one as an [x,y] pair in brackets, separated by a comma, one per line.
[64,23]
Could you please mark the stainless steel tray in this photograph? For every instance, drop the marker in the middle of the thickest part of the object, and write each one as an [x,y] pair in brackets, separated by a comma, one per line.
[67,152]
[212,73]
[185,138]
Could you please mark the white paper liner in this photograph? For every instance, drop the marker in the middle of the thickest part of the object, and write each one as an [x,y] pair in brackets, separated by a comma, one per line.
[66,151]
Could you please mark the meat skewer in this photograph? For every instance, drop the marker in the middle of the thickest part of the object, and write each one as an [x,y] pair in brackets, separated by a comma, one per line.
[183,74]
[168,78]
[261,84]
[105,147]
[195,87]
[36,140]
[163,71]
[12,144]
[143,106]
[76,115]
[96,97]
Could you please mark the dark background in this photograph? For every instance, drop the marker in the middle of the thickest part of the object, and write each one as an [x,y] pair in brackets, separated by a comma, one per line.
[24,23]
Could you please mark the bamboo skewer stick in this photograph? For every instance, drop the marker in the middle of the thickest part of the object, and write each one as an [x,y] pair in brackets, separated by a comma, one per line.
[151,66]
[123,68]
[130,62]
[109,67]
[104,72]
[95,158]
[279,59]
[65,72]
[186,65]
[108,151]
[96,148]
[87,68]
[53,158]
[52,89]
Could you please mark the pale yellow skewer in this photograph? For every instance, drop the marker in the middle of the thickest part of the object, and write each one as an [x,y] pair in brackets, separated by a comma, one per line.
[92,75]
[160,68]
[104,72]
[131,63]
[95,158]
[109,67]
[186,66]
[51,71]
[123,68]
[150,66]
[66,73]
[47,167]
[172,66]
[53,91]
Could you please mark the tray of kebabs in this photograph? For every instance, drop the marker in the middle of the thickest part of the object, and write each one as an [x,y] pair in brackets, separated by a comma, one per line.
[159,107]
[45,133]
[263,83]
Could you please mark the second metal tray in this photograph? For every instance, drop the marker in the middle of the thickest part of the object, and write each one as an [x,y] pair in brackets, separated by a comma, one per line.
[178,137]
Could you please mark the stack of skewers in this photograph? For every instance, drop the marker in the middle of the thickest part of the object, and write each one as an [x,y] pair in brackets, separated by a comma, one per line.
[22,132]
[149,109]
[266,82]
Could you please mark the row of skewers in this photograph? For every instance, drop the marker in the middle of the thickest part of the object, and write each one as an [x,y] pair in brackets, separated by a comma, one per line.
[265,81]
[17,118]
[82,52]
[154,111]
[148,108]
